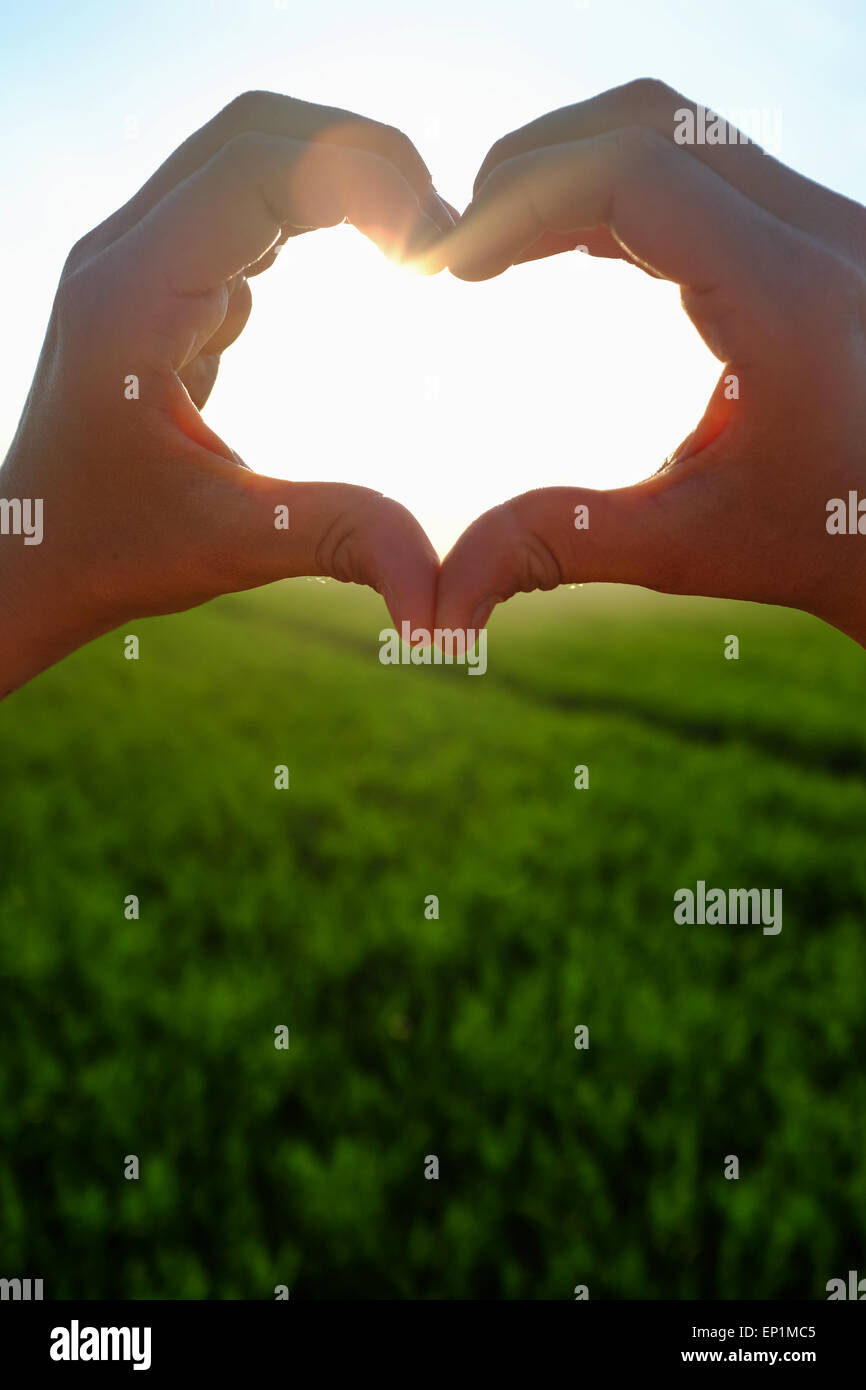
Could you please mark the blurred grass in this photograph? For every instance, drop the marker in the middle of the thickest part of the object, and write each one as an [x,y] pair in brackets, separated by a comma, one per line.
[452,1037]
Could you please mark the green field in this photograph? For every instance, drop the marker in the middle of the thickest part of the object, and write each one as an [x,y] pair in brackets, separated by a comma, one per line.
[453,1037]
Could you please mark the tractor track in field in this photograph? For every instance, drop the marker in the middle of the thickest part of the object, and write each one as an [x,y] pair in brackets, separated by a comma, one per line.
[844,761]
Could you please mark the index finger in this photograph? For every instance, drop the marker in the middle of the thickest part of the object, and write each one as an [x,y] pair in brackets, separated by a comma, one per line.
[737,159]
[269,113]
[227,215]
[669,212]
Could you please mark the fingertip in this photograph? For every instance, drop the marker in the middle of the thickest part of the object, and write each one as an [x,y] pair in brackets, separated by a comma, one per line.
[470,256]
[438,210]
[428,255]
[483,612]
[410,572]
[411,607]
[475,275]
[459,597]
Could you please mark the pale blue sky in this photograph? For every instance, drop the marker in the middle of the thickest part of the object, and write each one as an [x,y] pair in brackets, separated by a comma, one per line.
[454,74]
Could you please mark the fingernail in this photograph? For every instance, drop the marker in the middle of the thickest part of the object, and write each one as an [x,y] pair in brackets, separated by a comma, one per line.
[482,613]
[435,208]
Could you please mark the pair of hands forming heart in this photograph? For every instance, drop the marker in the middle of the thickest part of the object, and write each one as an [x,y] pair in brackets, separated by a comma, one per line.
[148,511]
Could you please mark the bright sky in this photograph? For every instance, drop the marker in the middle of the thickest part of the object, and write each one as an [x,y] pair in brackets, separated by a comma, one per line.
[450,397]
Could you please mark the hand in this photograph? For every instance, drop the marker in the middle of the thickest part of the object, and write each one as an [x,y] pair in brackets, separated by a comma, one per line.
[772,268]
[145,510]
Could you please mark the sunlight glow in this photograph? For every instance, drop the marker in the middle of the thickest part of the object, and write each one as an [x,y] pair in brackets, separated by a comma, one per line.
[452,397]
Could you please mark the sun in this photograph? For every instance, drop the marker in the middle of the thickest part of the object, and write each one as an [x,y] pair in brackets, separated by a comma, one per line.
[452,397]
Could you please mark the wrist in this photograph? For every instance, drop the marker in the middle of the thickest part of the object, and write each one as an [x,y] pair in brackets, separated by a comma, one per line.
[37,625]
[44,615]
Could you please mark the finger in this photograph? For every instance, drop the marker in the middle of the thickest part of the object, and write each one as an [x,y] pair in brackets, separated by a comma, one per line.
[596,241]
[636,535]
[788,195]
[200,373]
[199,377]
[275,530]
[230,213]
[452,211]
[269,113]
[239,308]
[669,212]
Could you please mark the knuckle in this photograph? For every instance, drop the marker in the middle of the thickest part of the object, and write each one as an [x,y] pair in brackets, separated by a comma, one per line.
[648,94]
[338,552]
[533,562]
[98,239]
[248,109]
[540,569]
[81,252]
[343,547]
[74,297]
[499,151]
[396,147]
[88,327]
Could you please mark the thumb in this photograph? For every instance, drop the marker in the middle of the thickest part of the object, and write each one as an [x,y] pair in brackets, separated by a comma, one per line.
[282,530]
[633,535]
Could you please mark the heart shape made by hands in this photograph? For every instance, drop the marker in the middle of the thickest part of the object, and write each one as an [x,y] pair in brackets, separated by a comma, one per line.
[161,514]
[738,232]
